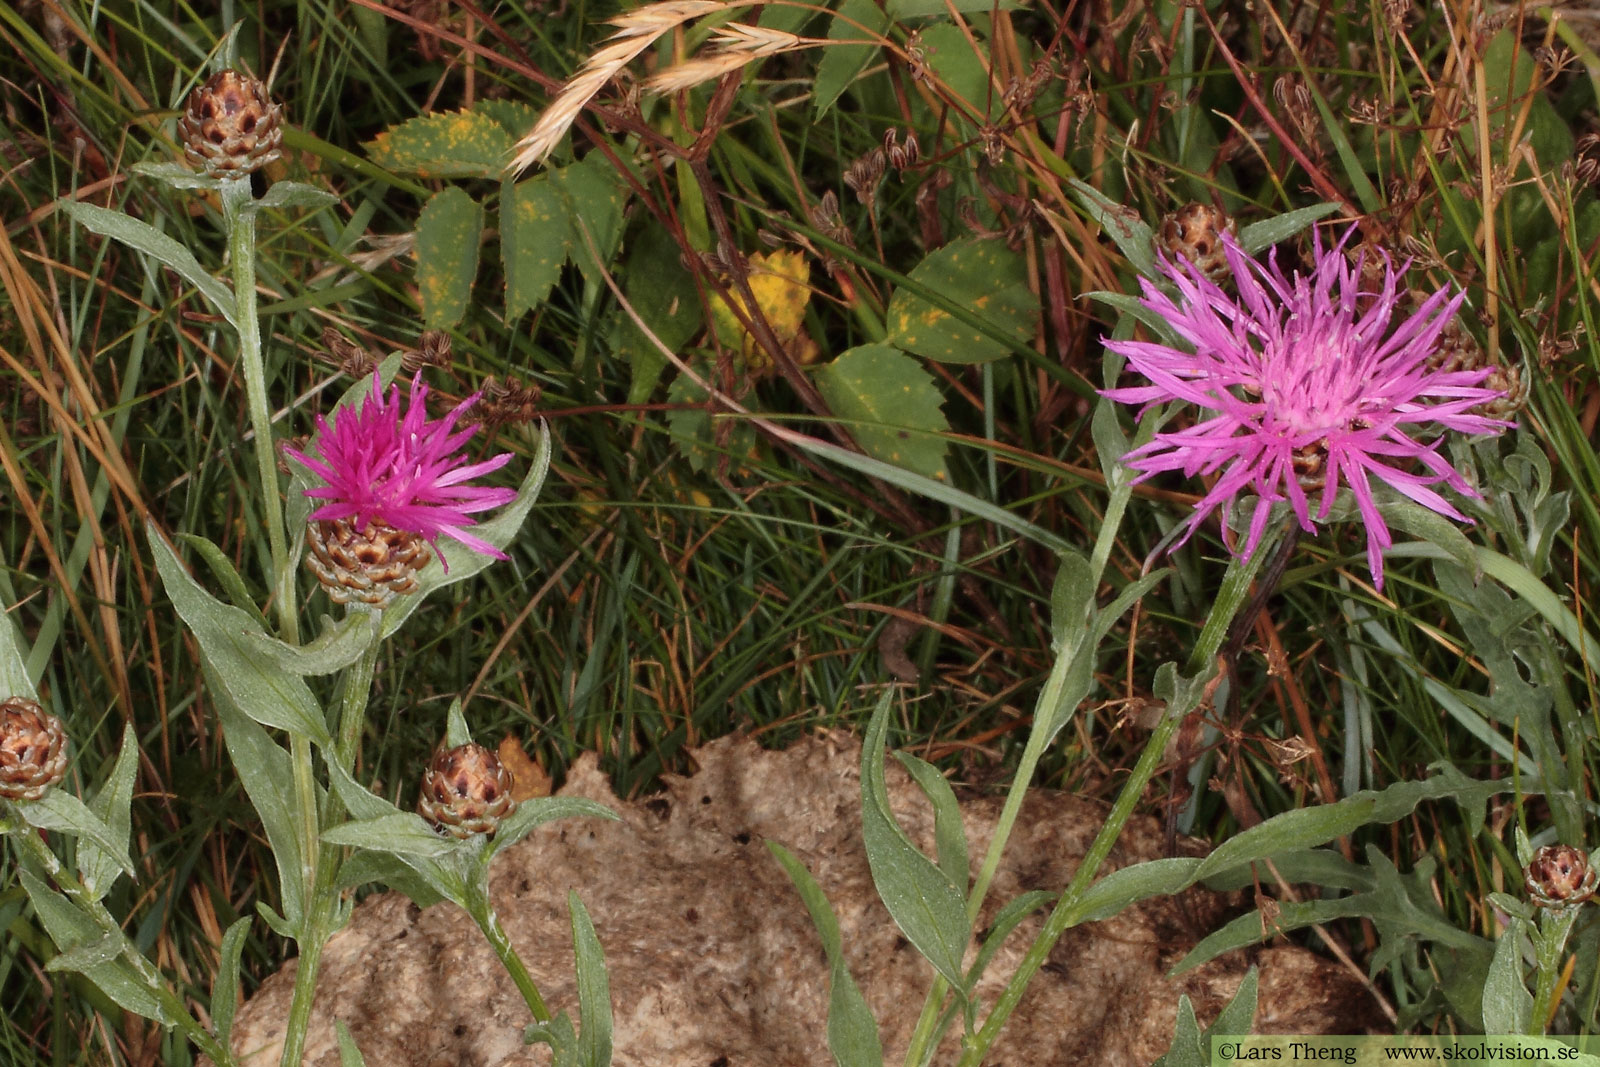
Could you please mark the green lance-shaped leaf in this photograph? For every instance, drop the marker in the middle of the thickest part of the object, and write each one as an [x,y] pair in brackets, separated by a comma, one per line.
[927,906]
[535,239]
[142,237]
[1122,224]
[980,275]
[949,835]
[292,194]
[349,1054]
[841,64]
[1268,232]
[448,234]
[458,144]
[890,405]
[14,678]
[256,688]
[852,1030]
[64,813]
[71,929]
[225,986]
[594,989]
[1507,1004]
[97,867]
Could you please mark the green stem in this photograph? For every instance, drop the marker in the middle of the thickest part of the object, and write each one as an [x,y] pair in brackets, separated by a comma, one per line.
[1050,714]
[322,919]
[1188,695]
[1550,940]
[241,227]
[482,912]
[174,1008]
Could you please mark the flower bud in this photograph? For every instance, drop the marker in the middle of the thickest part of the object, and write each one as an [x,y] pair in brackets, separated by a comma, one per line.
[373,565]
[1560,876]
[466,791]
[33,750]
[1194,233]
[230,127]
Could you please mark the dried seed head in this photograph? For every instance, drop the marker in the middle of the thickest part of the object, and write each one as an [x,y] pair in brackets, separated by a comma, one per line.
[230,126]
[508,401]
[350,357]
[863,175]
[1194,232]
[433,350]
[1560,876]
[373,565]
[465,790]
[33,749]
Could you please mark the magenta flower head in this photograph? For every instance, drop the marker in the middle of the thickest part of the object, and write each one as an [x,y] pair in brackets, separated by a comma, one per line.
[1306,382]
[385,465]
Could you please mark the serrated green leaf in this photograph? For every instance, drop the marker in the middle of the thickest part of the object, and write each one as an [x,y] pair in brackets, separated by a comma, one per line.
[980,274]
[841,64]
[97,868]
[925,904]
[225,986]
[594,989]
[457,144]
[890,405]
[535,239]
[268,696]
[515,117]
[901,10]
[142,237]
[853,1036]
[594,194]
[664,296]
[449,232]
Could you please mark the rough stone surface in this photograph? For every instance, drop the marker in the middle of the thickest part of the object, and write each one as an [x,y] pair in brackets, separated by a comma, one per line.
[714,961]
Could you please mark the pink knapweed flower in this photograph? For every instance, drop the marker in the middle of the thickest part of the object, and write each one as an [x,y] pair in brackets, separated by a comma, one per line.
[1308,381]
[389,464]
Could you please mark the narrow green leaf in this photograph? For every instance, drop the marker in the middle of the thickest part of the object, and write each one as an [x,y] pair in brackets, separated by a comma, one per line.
[349,1054]
[143,237]
[928,907]
[1071,597]
[1507,1004]
[69,928]
[225,986]
[498,531]
[852,1030]
[842,64]
[535,812]
[268,696]
[227,576]
[457,144]
[89,954]
[891,405]
[950,837]
[293,194]
[456,733]
[1239,1016]
[266,773]
[1187,1049]
[403,834]
[449,232]
[1268,232]
[97,868]
[594,989]
[1129,885]
[14,678]
[64,813]
[177,176]
[335,648]
[980,274]
[1132,236]
[535,238]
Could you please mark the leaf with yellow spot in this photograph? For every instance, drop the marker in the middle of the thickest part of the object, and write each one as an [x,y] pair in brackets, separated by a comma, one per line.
[456,144]
[595,196]
[781,285]
[979,275]
[448,233]
[535,237]
[891,406]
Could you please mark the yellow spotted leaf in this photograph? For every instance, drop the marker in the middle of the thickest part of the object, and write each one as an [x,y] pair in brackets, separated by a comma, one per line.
[781,284]
[890,404]
[448,233]
[983,278]
[455,144]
